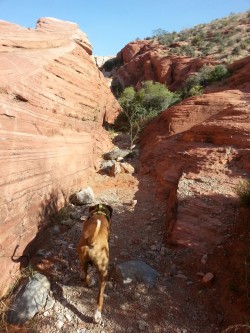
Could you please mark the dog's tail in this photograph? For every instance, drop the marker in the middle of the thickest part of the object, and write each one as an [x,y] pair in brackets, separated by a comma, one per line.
[92,240]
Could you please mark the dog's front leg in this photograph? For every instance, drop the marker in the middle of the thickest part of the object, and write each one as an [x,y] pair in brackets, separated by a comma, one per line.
[98,312]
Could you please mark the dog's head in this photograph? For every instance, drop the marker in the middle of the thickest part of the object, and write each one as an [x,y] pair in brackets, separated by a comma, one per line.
[101,209]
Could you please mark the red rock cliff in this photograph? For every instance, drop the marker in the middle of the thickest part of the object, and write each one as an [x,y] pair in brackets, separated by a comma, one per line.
[53,102]
[198,151]
[145,60]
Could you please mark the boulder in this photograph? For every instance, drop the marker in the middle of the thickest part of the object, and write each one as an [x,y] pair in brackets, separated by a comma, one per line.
[30,299]
[116,154]
[83,197]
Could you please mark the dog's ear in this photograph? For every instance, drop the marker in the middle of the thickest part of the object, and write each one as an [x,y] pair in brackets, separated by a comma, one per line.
[110,210]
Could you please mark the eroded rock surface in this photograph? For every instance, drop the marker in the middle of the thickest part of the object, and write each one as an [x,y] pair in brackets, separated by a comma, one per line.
[53,102]
[198,151]
[145,60]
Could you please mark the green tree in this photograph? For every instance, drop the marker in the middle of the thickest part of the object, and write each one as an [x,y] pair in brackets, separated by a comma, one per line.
[141,106]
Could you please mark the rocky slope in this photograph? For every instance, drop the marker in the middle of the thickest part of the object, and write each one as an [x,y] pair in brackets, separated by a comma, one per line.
[170,58]
[54,101]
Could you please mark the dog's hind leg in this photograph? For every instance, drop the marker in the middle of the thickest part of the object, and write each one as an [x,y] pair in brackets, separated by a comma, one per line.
[98,312]
[84,263]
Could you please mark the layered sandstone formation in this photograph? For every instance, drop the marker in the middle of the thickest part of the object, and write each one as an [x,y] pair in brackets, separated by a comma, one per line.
[145,60]
[53,103]
[199,151]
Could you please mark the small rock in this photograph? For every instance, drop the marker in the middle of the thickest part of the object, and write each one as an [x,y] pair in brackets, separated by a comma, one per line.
[133,203]
[56,229]
[153,248]
[115,169]
[142,325]
[173,270]
[60,242]
[49,303]
[128,168]
[181,276]
[189,283]
[59,324]
[67,222]
[68,317]
[41,253]
[204,259]
[106,166]
[163,251]
[208,277]
[75,215]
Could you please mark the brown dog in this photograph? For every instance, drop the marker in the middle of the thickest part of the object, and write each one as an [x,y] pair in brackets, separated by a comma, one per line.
[93,247]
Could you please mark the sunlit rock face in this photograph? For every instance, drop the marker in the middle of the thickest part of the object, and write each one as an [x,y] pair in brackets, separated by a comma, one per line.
[53,103]
[199,151]
[145,60]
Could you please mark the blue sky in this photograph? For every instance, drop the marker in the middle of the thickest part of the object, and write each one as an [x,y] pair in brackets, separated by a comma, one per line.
[111,24]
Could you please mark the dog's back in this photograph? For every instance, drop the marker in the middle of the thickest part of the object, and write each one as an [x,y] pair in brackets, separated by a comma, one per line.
[95,228]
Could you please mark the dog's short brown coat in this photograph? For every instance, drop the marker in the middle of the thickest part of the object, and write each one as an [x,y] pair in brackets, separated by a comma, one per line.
[93,247]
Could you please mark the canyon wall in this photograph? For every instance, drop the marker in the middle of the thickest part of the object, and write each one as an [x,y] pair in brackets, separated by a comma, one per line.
[146,60]
[53,103]
[199,151]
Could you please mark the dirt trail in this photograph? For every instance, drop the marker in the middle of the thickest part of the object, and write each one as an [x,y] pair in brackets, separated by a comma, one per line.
[180,302]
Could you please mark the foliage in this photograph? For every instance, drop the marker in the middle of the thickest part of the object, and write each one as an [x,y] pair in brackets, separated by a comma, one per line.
[164,37]
[141,106]
[236,51]
[206,75]
[111,64]
[243,192]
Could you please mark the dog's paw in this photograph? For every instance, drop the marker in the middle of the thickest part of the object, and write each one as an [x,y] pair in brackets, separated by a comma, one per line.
[97,317]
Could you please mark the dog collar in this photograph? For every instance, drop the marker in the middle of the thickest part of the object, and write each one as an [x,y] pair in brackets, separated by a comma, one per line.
[99,212]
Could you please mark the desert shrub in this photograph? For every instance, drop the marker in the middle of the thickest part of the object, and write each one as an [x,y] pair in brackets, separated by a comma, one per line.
[198,40]
[243,192]
[195,84]
[187,50]
[230,42]
[236,51]
[217,73]
[195,90]
[164,37]
[243,45]
[111,64]
[141,106]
